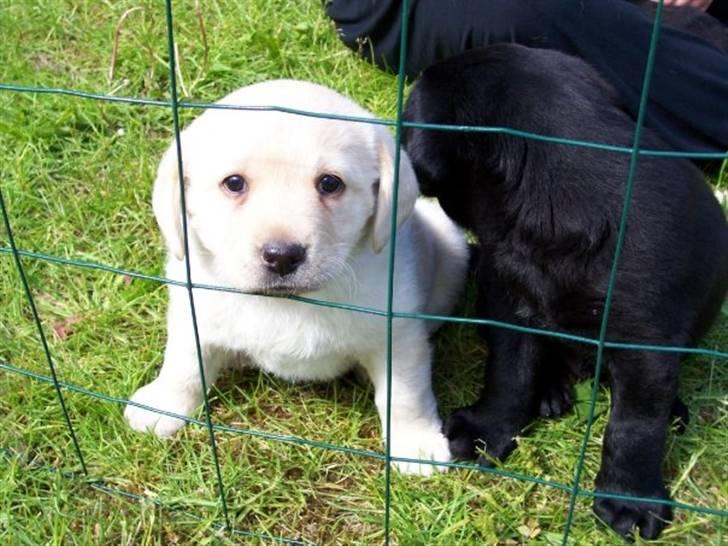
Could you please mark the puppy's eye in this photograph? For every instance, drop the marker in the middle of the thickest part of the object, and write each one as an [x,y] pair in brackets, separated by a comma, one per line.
[235,184]
[329,184]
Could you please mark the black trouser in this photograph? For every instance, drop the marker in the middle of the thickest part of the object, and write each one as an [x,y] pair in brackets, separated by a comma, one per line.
[689,92]
[719,10]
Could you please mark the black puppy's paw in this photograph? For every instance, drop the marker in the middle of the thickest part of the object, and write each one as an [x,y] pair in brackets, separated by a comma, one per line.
[556,400]
[626,517]
[468,431]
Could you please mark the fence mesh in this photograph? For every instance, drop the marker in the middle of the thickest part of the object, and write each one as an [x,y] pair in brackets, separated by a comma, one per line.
[573,489]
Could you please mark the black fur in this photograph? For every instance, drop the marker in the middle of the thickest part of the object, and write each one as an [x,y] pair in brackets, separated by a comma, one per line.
[547,218]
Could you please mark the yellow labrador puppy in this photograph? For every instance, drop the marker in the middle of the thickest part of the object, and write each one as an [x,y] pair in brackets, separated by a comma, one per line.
[281,204]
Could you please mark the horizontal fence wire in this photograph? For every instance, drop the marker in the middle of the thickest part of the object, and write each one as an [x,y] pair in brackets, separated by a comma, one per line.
[647,152]
[290,439]
[174,104]
[564,336]
[98,484]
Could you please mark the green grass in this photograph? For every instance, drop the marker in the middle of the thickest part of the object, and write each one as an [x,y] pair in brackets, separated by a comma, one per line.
[76,175]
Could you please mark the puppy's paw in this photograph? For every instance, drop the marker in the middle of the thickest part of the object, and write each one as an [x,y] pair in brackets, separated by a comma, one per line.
[625,517]
[164,397]
[556,400]
[414,443]
[467,432]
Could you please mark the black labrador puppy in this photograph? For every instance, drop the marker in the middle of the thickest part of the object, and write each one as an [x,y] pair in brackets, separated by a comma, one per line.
[547,218]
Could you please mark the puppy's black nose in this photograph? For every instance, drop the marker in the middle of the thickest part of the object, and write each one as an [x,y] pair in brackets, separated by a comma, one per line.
[283,257]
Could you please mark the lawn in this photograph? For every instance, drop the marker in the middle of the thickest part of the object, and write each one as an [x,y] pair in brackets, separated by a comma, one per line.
[75,175]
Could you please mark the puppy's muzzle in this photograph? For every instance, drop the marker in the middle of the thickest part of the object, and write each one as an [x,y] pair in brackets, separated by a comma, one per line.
[282,257]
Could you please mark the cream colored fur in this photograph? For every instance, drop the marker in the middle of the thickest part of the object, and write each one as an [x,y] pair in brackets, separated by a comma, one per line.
[346,237]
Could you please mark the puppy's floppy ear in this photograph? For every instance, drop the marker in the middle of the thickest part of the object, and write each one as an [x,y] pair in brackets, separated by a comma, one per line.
[407,196]
[166,202]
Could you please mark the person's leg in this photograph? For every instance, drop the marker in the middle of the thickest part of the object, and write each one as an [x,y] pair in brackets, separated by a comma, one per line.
[688,106]
[437,29]
[689,90]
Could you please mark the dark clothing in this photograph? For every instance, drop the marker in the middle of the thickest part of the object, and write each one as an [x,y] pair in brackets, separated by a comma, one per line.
[719,10]
[689,92]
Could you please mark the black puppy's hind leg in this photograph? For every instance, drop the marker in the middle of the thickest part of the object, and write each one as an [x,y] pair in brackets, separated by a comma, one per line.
[644,393]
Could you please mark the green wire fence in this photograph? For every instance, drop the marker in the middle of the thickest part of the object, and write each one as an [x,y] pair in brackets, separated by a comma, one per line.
[389,313]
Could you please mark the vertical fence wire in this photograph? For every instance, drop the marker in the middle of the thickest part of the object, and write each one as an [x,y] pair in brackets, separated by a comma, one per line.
[626,205]
[41,333]
[390,272]
[188,270]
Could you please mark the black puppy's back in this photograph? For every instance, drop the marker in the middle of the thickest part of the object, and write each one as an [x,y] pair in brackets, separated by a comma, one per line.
[563,202]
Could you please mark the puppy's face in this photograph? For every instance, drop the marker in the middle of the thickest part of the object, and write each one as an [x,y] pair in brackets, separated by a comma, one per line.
[277,202]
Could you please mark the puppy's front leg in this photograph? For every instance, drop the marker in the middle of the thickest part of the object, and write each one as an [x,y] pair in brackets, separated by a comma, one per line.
[509,397]
[416,428]
[178,388]
[506,404]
